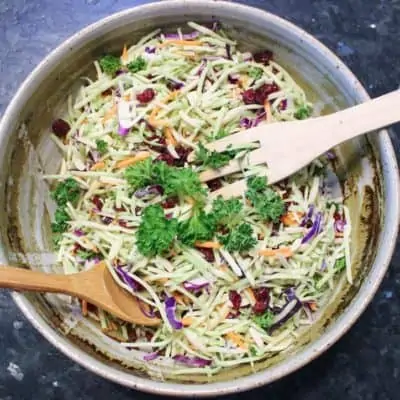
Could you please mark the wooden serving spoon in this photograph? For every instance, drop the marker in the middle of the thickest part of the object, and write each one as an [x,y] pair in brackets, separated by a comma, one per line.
[96,286]
[288,146]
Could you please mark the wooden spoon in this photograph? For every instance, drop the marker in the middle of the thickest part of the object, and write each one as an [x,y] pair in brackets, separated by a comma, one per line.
[288,146]
[96,286]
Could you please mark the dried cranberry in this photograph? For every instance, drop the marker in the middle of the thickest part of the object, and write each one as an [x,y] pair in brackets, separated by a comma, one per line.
[132,337]
[183,153]
[106,220]
[260,307]
[337,216]
[97,202]
[106,93]
[263,57]
[166,157]
[207,253]
[119,209]
[283,105]
[235,298]
[149,335]
[249,96]
[264,91]
[60,128]
[262,300]
[171,202]
[262,294]
[122,223]
[146,96]
[77,247]
[215,184]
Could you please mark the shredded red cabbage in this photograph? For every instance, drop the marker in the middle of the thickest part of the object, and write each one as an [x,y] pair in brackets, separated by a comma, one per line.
[79,232]
[151,356]
[196,284]
[122,131]
[170,306]
[308,216]
[288,311]
[314,230]
[251,123]
[192,361]
[185,36]
[146,309]
[126,278]
[153,189]
[150,50]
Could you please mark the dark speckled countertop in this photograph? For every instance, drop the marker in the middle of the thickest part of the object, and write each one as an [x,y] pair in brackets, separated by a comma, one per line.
[365,363]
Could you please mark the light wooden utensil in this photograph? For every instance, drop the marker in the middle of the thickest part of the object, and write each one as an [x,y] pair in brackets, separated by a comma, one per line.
[288,146]
[95,286]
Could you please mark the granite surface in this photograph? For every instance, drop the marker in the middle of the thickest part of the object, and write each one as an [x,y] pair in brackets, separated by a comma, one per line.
[365,363]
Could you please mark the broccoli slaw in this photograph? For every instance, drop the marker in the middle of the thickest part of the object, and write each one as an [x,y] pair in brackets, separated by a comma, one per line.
[233,281]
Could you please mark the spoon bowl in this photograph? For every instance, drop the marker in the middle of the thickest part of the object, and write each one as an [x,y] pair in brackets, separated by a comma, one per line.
[96,286]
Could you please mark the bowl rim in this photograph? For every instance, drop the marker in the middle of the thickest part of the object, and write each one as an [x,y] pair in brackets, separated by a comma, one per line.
[302,357]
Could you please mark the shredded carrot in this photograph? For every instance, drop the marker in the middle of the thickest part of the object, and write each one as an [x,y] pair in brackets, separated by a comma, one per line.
[223,268]
[313,305]
[179,42]
[84,308]
[282,251]
[208,245]
[127,97]
[110,113]
[133,160]
[236,339]
[187,321]
[124,55]
[169,137]
[267,109]
[180,298]
[291,218]
[98,165]
[250,293]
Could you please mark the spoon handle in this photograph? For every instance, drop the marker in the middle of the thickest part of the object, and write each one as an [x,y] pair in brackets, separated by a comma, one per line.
[362,118]
[35,281]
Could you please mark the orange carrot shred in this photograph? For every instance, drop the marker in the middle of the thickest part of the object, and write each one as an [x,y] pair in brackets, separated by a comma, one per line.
[250,293]
[236,339]
[179,42]
[291,218]
[98,165]
[187,321]
[267,109]
[282,251]
[84,308]
[133,160]
[169,137]
[208,245]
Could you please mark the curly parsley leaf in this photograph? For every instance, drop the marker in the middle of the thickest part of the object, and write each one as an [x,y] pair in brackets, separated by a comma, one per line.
[101,146]
[137,65]
[66,191]
[239,239]
[61,219]
[227,212]
[267,203]
[199,227]
[110,64]
[255,73]
[141,174]
[265,320]
[156,233]
[303,112]
[215,159]
[340,264]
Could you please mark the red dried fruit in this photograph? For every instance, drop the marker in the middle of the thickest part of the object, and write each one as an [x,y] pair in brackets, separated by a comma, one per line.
[215,184]
[235,298]
[249,96]
[122,223]
[171,202]
[166,157]
[183,153]
[208,254]
[106,220]
[264,91]
[282,106]
[233,314]
[262,300]
[119,209]
[106,93]
[337,216]
[263,57]
[60,128]
[97,202]
[146,96]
